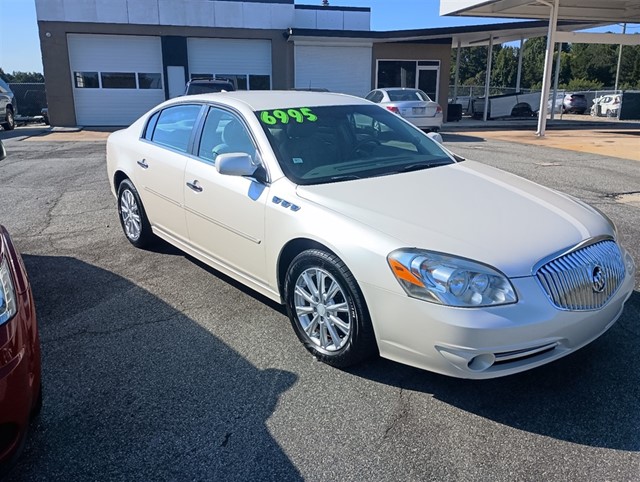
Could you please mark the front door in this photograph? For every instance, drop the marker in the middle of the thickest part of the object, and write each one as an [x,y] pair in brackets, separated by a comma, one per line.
[225,214]
[428,78]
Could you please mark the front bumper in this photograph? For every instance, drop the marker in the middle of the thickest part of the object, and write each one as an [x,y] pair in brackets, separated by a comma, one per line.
[480,343]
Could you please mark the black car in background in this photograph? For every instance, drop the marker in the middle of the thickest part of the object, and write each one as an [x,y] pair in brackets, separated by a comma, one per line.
[208,86]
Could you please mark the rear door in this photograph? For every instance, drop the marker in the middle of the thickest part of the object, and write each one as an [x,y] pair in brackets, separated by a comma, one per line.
[160,168]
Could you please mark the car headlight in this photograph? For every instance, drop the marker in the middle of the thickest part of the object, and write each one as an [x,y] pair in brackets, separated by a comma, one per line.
[8,305]
[450,280]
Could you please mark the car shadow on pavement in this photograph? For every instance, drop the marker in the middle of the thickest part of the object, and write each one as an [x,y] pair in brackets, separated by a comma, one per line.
[591,397]
[24,132]
[136,390]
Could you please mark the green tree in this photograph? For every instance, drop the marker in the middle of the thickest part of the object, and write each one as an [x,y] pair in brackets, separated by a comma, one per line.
[505,67]
[595,62]
[581,84]
[21,77]
[533,52]
[630,66]
[473,61]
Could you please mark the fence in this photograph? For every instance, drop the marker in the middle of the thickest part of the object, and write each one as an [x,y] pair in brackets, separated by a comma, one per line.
[30,98]
[478,90]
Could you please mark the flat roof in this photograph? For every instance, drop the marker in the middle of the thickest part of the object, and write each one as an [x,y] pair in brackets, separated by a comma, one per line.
[468,35]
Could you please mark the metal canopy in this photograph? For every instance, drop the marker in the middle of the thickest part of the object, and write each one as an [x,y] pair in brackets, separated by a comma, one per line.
[596,11]
[609,11]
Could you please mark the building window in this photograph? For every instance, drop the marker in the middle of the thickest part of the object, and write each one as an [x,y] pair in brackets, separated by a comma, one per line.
[415,74]
[149,81]
[240,81]
[396,73]
[118,80]
[86,80]
[259,82]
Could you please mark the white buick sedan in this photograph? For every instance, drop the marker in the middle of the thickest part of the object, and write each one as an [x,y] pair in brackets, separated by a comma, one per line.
[376,238]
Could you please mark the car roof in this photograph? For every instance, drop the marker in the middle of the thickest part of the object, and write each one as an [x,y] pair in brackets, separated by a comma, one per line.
[276,99]
[209,81]
[387,89]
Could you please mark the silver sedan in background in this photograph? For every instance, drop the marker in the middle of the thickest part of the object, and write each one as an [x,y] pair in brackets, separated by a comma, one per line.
[412,104]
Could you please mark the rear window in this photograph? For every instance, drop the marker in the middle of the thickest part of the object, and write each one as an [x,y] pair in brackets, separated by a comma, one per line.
[173,127]
[400,95]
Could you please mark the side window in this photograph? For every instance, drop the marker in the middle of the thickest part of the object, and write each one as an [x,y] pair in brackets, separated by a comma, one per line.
[174,126]
[222,133]
[371,95]
[151,125]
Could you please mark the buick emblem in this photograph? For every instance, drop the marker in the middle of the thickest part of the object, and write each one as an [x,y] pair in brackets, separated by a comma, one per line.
[598,280]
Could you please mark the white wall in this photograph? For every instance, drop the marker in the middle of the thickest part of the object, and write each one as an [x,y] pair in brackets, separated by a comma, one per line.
[344,69]
[332,19]
[201,13]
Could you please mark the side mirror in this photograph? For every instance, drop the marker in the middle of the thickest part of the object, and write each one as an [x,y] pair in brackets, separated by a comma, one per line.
[434,136]
[235,164]
[3,151]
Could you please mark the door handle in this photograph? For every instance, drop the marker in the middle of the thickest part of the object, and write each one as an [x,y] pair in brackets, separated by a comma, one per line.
[143,164]
[195,186]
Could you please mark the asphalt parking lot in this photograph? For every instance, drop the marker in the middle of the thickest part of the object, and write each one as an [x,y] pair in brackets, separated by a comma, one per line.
[159,368]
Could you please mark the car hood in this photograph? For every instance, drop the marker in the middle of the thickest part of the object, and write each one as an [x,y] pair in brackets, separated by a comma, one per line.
[466,209]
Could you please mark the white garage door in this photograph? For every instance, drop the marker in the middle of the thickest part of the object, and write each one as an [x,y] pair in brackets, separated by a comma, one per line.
[339,69]
[116,78]
[245,62]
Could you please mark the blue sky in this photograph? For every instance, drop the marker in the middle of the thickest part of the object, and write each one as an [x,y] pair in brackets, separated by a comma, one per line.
[20,46]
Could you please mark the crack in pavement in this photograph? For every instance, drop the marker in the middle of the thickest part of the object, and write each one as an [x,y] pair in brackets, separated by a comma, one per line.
[121,329]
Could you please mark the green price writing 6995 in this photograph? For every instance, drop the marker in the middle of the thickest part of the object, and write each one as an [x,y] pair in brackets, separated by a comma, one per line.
[284,116]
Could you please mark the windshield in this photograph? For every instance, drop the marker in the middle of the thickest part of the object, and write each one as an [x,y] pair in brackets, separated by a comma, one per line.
[404,94]
[317,145]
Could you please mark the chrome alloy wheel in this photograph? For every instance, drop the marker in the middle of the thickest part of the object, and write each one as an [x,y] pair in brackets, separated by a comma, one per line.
[322,309]
[130,215]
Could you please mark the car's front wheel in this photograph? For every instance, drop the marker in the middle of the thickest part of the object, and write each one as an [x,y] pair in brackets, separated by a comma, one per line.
[327,309]
[10,121]
[133,218]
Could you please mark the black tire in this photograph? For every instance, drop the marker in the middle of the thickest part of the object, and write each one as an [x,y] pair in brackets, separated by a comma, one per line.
[355,346]
[144,237]
[10,122]
[521,110]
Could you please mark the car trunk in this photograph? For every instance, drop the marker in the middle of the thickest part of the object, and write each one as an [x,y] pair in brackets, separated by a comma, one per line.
[416,108]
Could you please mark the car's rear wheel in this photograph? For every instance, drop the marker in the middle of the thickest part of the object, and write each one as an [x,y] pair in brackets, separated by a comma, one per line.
[327,309]
[133,218]
[521,110]
[10,121]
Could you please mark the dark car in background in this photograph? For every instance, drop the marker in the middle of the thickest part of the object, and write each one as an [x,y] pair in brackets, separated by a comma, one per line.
[8,107]
[208,86]
[20,383]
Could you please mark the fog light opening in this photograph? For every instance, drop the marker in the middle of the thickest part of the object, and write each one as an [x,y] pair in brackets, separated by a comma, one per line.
[481,362]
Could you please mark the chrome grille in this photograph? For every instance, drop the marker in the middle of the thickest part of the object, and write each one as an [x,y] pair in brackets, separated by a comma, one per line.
[574,281]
